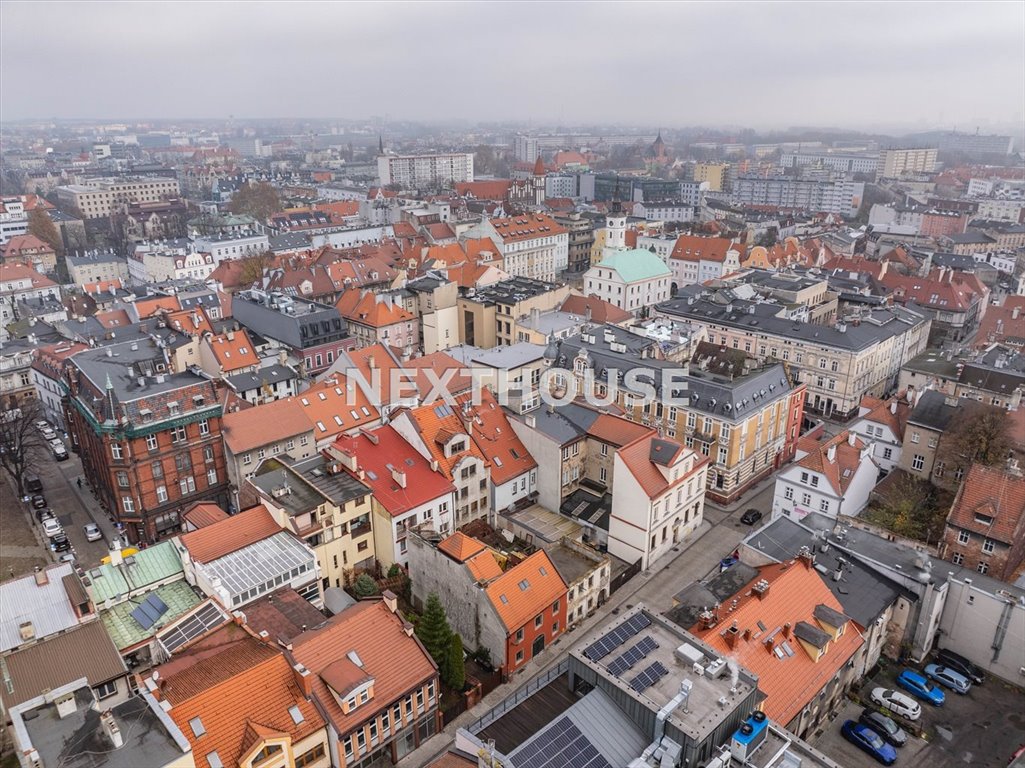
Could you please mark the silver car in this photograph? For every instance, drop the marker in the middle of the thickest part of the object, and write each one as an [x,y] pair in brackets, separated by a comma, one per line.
[948,678]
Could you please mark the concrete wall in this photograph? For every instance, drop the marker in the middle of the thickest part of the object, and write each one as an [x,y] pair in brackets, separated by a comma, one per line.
[986,627]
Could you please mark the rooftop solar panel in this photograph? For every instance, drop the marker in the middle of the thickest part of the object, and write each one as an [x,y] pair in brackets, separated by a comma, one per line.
[648,677]
[611,640]
[561,745]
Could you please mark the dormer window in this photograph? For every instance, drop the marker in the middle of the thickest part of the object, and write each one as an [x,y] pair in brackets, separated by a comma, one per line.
[173,408]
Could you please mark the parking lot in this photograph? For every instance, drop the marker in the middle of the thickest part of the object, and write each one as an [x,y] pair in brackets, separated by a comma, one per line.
[982,728]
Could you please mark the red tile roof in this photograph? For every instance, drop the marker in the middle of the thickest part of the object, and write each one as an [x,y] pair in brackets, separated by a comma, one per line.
[617,431]
[791,682]
[263,424]
[496,189]
[193,322]
[1003,323]
[461,547]
[996,496]
[327,406]
[366,308]
[240,689]
[375,451]
[233,351]
[693,248]
[204,513]
[436,427]
[504,451]
[637,456]
[391,656]
[149,307]
[227,536]
[892,413]
[841,471]
[438,362]
[527,227]
[948,291]
[525,590]
[601,311]
[12,272]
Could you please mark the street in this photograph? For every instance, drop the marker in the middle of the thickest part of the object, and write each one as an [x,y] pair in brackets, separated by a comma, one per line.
[23,545]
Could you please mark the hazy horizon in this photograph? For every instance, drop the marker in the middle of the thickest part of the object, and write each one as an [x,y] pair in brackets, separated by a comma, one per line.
[902,65]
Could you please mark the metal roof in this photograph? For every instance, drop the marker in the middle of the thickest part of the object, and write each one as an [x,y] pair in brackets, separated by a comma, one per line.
[264,565]
[47,606]
[146,567]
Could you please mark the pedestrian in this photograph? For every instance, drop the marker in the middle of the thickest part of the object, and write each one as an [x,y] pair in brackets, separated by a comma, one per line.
[79,482]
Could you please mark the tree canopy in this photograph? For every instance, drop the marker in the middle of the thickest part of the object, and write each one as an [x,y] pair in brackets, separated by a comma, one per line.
[258,200]
[977,434]
[434,631]
[41,225]
[21,444]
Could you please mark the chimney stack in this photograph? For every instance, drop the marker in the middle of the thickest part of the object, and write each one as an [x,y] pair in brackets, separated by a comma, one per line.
[805,556]
[112,729]
[893,407]
[761,588]
[42,577]
[831,454]
[786,630]
[303,679]
[115,553]
[851,438]
[731,634]
[390,600]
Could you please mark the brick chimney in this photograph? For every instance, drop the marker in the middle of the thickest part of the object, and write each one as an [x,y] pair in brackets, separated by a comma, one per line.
[731,633]
[786,630]
[303,679]
[806,556]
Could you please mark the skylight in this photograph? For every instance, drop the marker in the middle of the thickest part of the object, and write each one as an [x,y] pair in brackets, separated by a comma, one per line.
[197,727]
[297,715]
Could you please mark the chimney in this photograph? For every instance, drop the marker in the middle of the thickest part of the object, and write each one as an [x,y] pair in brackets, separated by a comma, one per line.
[707,619]
[1015,312]
[805,556]
[112,729]
[747,634]
[42,577]
[851,438]
[115,553]
[390,600]
[66,705]
[303,679]
[731,634]
[893,407]
[399,476]
[786,630]
[371,361]
[761,588]
[264,636]
[831,453]
[230,334]
[434,465]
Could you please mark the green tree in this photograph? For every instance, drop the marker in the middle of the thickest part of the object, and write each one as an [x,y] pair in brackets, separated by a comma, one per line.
[41,225]
[258,200]
[434,631]
[364,586]
[977,434]
[394,571]
[455,668]
[253,268]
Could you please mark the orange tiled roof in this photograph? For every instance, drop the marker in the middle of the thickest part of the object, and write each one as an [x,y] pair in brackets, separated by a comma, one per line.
[26,242]
[368,308]
[233,350]
[637,456]
[204,513]
[439,362]
[693,248]
[227,536]
[991,493]
[115,318]
[461,547]
[379,357]
[882,412]
[506,454]
[435,430]
[193,322]
[263,424]
[601,311]
[525,590]
[1003,322]
[795,591]
[617,431]
[102,287]
[483,566]
[527,227]
[240,689]
[390,655]
[327,406]
[14,271]
[495,189]
[149,307]
[839,472]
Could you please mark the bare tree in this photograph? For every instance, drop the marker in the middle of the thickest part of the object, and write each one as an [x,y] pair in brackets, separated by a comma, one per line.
[21,443]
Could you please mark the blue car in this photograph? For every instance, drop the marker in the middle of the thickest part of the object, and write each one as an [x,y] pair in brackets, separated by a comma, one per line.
[948,678]
[869,741]
[919,686]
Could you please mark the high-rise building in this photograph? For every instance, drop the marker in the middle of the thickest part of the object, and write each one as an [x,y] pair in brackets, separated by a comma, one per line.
[413,171]
[897,162]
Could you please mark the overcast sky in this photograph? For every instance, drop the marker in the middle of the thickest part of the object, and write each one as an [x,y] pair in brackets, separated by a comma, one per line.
[671,64]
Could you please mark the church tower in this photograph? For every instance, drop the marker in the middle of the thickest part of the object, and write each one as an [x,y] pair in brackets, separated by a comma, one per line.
[615,228]
[537,182]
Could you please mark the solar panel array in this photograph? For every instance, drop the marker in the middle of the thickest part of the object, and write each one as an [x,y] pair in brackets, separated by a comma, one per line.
[611,640]
[649,676]
[202,621]
[562,745]
[632,655]
[149,611]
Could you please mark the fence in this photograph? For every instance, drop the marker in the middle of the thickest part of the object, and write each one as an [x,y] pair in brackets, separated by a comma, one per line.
[510,702]
[622,578]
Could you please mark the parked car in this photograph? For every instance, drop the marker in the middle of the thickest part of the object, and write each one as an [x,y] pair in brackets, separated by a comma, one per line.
[884,726]
[38,501]
[49,434]
[59,451]
[33,484]
[961,665]
[42,424]
[869,741]
[948,678]
[897,702]
[918,685]
[51,527]
[60,543]
[751,517]
[43,514]
[92,532]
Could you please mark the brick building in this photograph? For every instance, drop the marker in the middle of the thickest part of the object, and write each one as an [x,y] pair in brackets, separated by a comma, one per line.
[986,525]
[150,440]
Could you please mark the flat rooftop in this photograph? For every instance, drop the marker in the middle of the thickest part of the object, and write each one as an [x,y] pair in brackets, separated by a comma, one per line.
[544,523]
[703,712]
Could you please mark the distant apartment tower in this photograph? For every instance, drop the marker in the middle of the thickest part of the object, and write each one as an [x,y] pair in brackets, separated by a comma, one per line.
[425,170]
[969,143]
[843,162]
[836,196]
[897,162]
[713,173]
[101,197]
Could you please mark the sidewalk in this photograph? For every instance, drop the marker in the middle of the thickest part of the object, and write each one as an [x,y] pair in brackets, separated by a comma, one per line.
[549,657]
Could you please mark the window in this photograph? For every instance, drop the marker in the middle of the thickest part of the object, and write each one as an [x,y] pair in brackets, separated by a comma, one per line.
[151,442]
[208,453]
[538,620]
[106,690]
[519,656]
[824,505]
[788,494]
[915,437]
[197,727]
[313,755]
[519,635]
[805,499]
[247,458]
[187,485]
[128,504]
[179,434]
[211,477]
[988,546]
[161,493]
[604,449]
[918,462]
[982,568]
[887,453]
[182,462]
[115,450]
[267,751]
[122,479]
[555,607]
[963,537]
